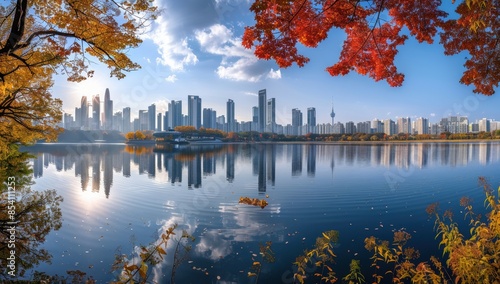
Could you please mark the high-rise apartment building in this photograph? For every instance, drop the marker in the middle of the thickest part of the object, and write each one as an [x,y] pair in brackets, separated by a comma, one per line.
[311,120]
[350,127]
[96,112]
[484,125]
[194,111]
[404,125]
[422,125]
[151,117]
[389,127]
[126,120]
[230,116]
[262,110]
[108,111]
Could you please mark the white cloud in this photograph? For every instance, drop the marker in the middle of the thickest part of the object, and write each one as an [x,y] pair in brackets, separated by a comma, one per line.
[274,74]
[237,63]
[432,114]
[172,43]
[172,78]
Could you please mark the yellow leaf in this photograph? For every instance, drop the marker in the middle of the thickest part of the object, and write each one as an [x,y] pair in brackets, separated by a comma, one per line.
[326,237]
[161,250]
[131,267]
[144,270]
[251,274]
[256,263]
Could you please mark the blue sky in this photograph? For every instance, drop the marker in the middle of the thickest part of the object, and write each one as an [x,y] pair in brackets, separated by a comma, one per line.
[194,49]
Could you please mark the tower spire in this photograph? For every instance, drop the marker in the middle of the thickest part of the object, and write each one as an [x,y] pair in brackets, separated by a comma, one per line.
[332,114]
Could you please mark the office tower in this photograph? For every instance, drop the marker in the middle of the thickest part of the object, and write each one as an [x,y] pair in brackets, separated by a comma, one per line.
[96,113]
[143,120]
[152,117]
[262,110]
[78,118]
[377,126]
[311,120]
[159,121]
[118,121]
[175,114]
[255,114]
[422,125]
[194,111]
[296,121]
[404,125]
[126,120]
[230,115]
[271,115]
[84,113]
[166,121]
[68,121]
[108,111]
[209,117]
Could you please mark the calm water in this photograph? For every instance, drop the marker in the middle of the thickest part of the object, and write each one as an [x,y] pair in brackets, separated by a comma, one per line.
[117,197]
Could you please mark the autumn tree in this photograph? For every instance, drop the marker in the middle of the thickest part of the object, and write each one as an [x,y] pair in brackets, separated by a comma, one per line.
[41,38]
[375,30]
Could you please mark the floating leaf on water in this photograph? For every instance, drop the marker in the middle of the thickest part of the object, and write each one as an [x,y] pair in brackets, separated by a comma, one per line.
[253,201]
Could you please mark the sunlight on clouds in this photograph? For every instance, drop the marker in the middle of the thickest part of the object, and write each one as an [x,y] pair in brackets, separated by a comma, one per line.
[174,51]
[237,63]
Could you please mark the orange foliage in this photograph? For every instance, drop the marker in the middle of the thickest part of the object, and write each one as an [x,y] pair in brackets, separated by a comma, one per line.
[372,40]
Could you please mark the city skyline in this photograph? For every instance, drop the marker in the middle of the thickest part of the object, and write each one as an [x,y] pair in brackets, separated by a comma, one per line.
[201,55]
[263,120]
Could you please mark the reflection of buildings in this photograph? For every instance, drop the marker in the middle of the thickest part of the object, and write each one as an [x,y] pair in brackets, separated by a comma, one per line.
[96,165]
[296,160]
[311,160]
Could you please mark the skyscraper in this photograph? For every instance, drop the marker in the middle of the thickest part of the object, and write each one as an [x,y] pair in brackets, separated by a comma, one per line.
[152,117]
[84,113]
[296,121]
[209,117]
[143,120]
[126,120]
[175,114]
[271,114]
[194,111]
[108,111]
[262,110]
[230,115]
[311,120]
[96,113]
[159,120]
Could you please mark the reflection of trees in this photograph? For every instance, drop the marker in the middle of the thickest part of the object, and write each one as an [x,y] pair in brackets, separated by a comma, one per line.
[36,215]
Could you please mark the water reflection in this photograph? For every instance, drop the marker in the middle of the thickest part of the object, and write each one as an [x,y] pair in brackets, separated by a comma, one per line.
[95,164]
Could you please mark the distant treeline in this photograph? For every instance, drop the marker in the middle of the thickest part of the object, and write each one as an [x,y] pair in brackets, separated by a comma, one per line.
[256,136]
[90,136]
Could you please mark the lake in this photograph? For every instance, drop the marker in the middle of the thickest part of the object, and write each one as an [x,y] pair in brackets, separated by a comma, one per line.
[117,197]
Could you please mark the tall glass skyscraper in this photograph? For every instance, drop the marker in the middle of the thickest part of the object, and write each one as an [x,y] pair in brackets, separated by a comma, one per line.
[311,120]
[262,110]
[108,111]
[96,113]
[271,114]
[230,115]
[194,111]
